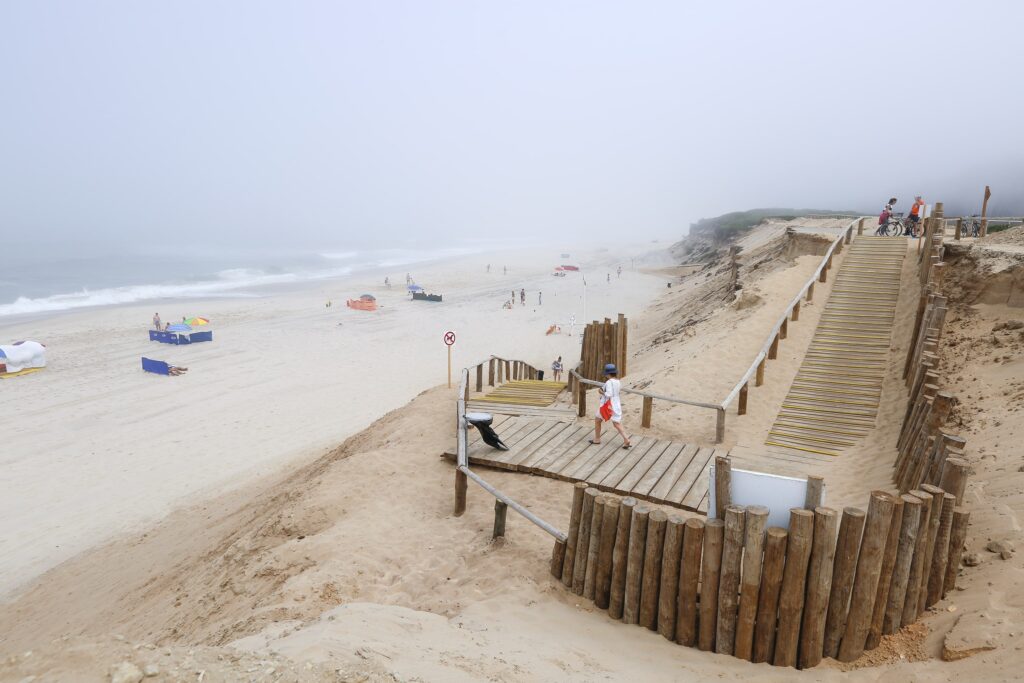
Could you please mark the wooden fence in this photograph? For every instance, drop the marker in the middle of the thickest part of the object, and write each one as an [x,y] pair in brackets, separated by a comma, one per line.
[499,370]
[604,342]
[828,586]
[928,454]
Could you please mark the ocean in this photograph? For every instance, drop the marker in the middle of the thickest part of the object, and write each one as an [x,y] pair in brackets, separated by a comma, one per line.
[42,284]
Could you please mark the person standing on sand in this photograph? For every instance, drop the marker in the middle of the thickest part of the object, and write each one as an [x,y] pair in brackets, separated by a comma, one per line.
[556,369]
[522,296]
[488,267]
[610,407]
[539,296]
[505,269]
[513,297]
[618,273]
[914,219]
[609,278]
[156,321]
[408,279]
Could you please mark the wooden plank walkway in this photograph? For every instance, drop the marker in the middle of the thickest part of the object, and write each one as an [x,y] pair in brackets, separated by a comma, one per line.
[657,470]
[524,392]
[833,401]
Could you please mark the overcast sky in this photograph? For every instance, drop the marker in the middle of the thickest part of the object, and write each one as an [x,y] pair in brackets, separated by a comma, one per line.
[313,123]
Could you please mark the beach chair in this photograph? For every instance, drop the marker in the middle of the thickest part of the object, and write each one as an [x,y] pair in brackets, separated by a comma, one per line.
[157,367]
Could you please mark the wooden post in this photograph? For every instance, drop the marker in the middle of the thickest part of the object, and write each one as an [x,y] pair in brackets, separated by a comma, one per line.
[815,491]
[729,581]
[784,329]
[796,312]
[461,484]
[773,350]
[589,577]
[759,377]
[574,532]
[768,596]
[490,373]
[794,580]
[635,564]
[750,581]
[957,538]
[892,542]
[583,540]
[689,574]
[669,589]
[810,292]
[499,365]
[711,569]
[954,478]
[581,402]
[869,567]
[742,407]
[819,585]
[929,547]
[860,226]
[620,553]
[652,569]
[959,229]
[603,574]
[847,550]
[940,556]
[723,485]
[824,274]
[645,416]
[557,559]
[904,559]
[720,425]
[499,519]
[909,615]
[984,212]
[480,378]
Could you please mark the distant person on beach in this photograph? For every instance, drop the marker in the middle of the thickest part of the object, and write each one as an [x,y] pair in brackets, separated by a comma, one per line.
[505,269]
[609,278]
[513,297]
[539,297]
[387,282]
[610,407]
[408,279]
[522,296]
[556,369]
[156,321]
[915,216]
[488,267]
[618,273]
[175,370]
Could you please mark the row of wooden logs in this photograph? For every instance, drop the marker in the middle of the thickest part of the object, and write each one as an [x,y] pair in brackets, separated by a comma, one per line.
[786,597]
[604,342]
[927,453]
[500,371]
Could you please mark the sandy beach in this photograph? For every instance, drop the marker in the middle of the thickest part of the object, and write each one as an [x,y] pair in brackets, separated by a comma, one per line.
[100,448]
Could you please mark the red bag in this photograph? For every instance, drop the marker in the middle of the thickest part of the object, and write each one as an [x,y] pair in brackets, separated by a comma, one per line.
[606,411]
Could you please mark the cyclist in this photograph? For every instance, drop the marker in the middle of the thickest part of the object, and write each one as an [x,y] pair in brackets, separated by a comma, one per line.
[883,218]
[915,216]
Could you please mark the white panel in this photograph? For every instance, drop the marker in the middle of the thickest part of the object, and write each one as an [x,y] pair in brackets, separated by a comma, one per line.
[775,492]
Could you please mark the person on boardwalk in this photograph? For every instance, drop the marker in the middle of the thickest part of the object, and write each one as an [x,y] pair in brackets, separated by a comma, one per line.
[522,296]
[914,219]
[156,321]
[556,369]
[610,407]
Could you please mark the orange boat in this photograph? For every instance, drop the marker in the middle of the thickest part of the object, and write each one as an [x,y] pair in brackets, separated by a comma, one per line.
[364,303]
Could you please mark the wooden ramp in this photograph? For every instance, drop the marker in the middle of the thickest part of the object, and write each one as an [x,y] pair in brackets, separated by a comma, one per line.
[524,392]
[833,401]
[657,470]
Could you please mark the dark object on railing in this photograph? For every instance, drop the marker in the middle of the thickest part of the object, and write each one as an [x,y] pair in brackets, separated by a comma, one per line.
[482,421]
[423,296]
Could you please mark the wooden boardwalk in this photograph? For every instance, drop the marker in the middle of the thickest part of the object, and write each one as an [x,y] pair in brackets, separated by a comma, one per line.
[524,392]
[833,401]
[657,470]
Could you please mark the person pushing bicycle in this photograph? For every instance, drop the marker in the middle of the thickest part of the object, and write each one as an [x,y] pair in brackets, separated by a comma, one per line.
[915,216]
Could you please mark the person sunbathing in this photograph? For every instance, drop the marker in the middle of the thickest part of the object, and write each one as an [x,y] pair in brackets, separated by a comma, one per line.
[175,370]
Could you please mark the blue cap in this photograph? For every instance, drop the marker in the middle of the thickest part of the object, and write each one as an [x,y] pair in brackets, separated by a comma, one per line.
[610,369]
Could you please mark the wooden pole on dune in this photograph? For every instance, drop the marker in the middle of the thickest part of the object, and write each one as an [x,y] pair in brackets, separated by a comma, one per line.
[819,585]
[892,542]
[635,564]
[954,478]
[934,518]
[583,540]
[723,485]
[710,570]
[957,538]
[603,574]
[461,486]
[557,558]
[669,588]
[847,550]
[620,553]
[904,559]
[869,567]
[768,596]
[500,513]
[940,556]
[984,212]
[595,543]
[651,580]
[689,575]
[909,615]
[815,492]
[750,581]
[490,373]
[729,581]
[574,532]
[794,581]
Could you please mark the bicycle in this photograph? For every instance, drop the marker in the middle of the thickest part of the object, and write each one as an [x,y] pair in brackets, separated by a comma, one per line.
[971,228]
[894,227]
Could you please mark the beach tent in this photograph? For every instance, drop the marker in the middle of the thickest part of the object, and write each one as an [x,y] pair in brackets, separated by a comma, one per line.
[414,288]
[22,356]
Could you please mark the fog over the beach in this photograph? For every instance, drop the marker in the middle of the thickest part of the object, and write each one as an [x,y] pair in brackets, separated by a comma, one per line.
[318,124]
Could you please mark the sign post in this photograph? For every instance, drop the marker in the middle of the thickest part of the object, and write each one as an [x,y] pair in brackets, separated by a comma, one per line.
[449,341]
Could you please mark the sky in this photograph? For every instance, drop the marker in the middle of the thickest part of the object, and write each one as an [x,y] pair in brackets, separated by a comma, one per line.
[336,123]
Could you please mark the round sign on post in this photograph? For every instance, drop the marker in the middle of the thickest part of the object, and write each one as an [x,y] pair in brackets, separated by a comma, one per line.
[449,338]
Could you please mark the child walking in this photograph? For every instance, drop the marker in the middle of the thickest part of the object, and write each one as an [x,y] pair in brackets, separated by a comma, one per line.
[610,407]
